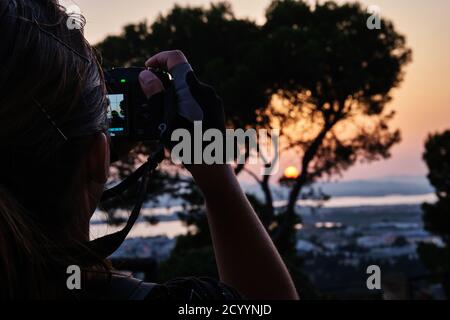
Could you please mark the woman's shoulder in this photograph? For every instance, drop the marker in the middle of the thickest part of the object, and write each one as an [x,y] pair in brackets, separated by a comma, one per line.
[193,289]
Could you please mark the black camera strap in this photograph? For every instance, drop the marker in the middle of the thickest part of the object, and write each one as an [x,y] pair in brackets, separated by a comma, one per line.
[105,246]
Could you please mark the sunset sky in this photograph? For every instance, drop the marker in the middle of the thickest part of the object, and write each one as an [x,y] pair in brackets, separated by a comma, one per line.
[422,102]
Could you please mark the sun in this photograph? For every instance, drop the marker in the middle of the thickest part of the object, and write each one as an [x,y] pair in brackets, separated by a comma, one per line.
[291,173]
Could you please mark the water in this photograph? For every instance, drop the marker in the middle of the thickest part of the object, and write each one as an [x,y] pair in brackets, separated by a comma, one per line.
[391,200]
[174,228]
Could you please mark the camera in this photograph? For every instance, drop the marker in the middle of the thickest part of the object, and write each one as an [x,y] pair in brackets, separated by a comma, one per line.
[130,114]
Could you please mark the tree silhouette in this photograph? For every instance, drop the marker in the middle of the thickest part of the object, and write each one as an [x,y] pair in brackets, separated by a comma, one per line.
[317,73]
[437,216]
[334,78]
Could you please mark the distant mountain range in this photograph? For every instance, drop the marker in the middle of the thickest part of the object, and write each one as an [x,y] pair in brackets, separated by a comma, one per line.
[399,185]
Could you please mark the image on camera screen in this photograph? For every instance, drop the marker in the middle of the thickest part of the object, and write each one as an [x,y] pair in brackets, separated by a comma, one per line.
[116,114]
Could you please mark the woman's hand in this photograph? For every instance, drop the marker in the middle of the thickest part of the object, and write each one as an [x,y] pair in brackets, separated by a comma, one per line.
[166,60]
[195,100]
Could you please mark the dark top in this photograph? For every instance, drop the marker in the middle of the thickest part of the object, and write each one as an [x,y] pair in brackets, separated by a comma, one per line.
[193,289]
[188,289]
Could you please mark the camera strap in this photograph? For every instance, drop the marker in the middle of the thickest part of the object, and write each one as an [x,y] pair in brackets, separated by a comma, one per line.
[105,246]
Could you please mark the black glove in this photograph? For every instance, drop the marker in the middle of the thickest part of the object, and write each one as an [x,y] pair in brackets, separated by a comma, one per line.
[189,101]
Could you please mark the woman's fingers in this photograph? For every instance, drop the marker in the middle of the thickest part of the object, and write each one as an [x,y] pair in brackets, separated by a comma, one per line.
[166,60]
[150,83]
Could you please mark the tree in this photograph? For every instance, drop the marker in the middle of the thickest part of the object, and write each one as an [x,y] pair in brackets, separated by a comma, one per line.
[437,215]
[331,81]
[318,73]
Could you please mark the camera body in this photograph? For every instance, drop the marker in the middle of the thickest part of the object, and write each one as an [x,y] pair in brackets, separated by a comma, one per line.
[130,115]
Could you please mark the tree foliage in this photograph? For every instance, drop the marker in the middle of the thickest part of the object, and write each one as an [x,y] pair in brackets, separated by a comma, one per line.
[437,215]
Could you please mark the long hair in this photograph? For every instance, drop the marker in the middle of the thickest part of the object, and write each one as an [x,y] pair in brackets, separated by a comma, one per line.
[52,99]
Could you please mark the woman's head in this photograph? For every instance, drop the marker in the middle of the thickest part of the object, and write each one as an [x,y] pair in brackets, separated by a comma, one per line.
[54,153]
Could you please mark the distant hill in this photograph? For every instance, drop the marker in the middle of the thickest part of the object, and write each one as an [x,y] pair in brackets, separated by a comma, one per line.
[400,185]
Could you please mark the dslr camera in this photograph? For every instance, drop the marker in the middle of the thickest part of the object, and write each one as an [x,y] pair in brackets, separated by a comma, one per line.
[130,114]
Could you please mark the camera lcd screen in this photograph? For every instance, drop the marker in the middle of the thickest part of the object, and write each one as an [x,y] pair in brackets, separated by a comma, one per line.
[116,114]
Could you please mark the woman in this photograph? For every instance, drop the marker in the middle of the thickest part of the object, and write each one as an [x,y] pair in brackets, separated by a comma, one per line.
[54,163]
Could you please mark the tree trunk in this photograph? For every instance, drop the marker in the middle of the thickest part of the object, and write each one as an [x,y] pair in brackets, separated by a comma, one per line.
[269,215]
[298,186]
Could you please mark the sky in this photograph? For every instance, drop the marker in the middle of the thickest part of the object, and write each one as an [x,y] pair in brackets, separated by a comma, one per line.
[422,102]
